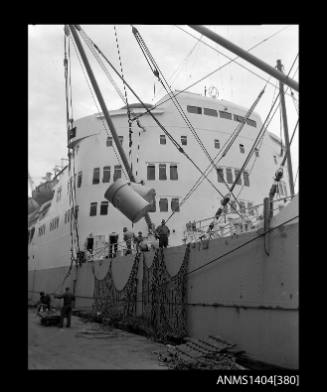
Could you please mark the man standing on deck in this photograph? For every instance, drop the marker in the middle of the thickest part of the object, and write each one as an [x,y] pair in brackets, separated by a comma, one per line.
[128,237]
[113,244]
[66,310]
[162,233]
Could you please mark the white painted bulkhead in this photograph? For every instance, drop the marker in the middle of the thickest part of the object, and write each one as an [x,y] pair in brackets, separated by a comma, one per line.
[52,249]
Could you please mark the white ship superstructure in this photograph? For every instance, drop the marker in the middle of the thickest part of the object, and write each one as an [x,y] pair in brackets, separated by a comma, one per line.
[231,267]
[160,165]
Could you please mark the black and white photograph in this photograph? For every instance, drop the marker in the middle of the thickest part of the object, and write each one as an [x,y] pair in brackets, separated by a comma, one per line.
[163,208]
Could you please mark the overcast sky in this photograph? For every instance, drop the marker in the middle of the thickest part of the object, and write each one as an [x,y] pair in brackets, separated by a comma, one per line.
[170,47]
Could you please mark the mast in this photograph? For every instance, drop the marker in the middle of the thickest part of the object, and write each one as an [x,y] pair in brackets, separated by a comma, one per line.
[247,56]
[101,101]
[286,136]
[104,109]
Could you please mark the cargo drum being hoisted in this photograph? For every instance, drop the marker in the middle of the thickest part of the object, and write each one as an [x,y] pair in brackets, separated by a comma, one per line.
[131,199]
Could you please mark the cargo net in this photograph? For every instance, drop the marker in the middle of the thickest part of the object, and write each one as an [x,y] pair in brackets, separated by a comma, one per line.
[112,303]
[163,299]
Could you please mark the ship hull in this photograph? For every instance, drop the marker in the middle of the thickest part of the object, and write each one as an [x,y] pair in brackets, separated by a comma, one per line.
[244,294]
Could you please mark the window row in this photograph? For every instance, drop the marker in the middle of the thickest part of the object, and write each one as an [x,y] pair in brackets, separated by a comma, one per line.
[106,174]
[42,230]
[164,205]
[222,114]
[69,214]
[110,140]
[97,178]
[103,208]
[54,223]
[162,171]
[163,140]
[229,175]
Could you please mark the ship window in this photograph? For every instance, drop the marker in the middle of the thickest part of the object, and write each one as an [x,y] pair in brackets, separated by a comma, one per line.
[121,139]
[242,149]
[106,174]
[117,172]
[242,207]
[104,208]
[224,114]
[246,178]
[233,206]
[239,181]
[109,141]
[175,204]
[217,143]
[153,206]
[79,179]
[32,233]
[220,173]
[194,109]
[162,171]
[239,118]
[96,175]
[93,209]
[184,140]
[275,159]
[173,172]
[256,150]
[210,112]
[162,139]
[72,133]
[163,205]
[250,209]
[251,122]
[229,175]
[151,172]
[76,212]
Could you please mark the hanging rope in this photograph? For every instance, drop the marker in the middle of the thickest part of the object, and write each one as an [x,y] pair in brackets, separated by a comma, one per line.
[157,72]
[226,147]
[213,72]
[170,137]
[297,172]
[130,132]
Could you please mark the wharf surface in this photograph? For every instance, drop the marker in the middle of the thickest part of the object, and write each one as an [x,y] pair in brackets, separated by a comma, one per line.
[88,345]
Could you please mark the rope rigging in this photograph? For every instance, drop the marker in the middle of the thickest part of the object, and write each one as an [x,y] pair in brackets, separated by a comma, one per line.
[74,232]
[173,76]
[211,73]
[224,151]
[228,144]
[170,137]
[157,72]
[95,51]
[104,125]
[130,132]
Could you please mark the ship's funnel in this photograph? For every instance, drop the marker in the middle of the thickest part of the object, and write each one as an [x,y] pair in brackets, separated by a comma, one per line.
[132,200]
